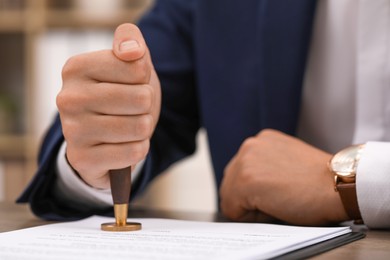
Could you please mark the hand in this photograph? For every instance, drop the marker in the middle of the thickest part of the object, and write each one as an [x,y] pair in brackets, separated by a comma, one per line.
[109,106]
[283,177]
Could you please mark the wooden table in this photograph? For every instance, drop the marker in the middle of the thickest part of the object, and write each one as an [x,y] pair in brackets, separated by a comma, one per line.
[376,245]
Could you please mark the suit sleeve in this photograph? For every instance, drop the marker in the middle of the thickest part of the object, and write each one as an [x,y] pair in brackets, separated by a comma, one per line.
[167,29]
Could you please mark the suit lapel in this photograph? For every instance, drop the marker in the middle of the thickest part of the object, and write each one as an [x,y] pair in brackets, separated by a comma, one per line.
[284,30]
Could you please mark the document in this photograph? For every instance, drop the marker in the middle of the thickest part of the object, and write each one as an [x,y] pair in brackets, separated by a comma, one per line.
[160,239]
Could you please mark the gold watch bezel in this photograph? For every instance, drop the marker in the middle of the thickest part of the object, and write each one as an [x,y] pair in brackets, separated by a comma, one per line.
[344,163]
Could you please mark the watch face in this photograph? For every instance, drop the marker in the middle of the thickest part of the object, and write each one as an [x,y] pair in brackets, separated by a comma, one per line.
[344,163]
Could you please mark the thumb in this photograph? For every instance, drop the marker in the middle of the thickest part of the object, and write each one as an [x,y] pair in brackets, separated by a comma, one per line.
[129,44]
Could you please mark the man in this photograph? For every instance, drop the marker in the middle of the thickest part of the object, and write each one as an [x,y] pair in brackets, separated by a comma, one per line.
[244,72]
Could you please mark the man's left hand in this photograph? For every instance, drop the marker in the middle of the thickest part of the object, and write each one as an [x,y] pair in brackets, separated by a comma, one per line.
[278,175]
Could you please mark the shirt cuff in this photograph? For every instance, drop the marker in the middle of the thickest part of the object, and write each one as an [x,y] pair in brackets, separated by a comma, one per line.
[70,188]
[372,184]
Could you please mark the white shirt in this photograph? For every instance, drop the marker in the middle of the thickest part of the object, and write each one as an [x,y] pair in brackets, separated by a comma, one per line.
[346,100]
[346,95]
[69,187]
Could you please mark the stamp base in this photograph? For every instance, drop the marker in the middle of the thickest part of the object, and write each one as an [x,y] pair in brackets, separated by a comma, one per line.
[129,226]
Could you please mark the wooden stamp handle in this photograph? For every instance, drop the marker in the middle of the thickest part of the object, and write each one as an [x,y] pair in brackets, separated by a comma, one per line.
[120,185]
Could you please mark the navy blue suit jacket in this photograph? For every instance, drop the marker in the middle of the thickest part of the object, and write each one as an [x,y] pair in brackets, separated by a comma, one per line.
[232,67]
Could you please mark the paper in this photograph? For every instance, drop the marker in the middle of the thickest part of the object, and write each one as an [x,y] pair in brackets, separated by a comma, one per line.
[159,239]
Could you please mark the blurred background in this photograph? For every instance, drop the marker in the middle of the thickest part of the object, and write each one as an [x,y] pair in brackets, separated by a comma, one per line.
[36,38]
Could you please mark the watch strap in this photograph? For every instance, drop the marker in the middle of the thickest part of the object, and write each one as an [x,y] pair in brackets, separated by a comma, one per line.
[347,192]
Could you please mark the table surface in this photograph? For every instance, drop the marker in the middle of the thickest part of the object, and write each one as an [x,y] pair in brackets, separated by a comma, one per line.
[376,244]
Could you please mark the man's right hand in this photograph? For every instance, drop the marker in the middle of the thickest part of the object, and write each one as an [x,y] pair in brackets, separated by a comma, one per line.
[109,105]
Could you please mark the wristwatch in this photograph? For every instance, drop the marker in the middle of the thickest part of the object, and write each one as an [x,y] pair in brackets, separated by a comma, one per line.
[343,165]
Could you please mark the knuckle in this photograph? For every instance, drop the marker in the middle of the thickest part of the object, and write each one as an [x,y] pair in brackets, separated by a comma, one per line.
[142,70]
[144,98]
[71,101]
[139,151]
[248,144]
[71,66]
[144,126]
[72,132]
[64,100]
[267,133]
[61,100]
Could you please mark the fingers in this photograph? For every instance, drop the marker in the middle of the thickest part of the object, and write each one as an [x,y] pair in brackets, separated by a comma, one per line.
[94,163]
[109,105]
[120,99]
[128,62]
[109,156]
[108,129]
[104,66]
[106,99]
